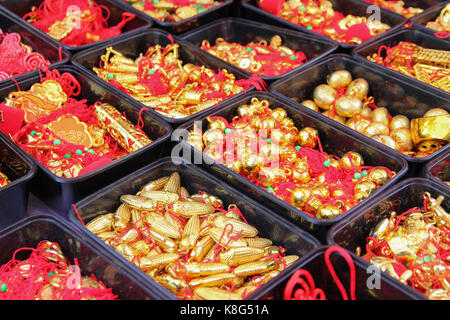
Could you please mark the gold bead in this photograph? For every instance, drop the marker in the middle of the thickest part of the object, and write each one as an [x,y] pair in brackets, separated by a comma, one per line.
[328,211]
[324,96]
[339,79]
[435,112]
[352,159]
[386,140]
[307,137]
[359,125]
[279,114]
[300,195]
[310,105]
[358,88]
[399,121]
[376,128]
[213,135]
[364,189]
[379,176]
[321,191]
[403,139]
[380,115]
[348,106]
[334,116]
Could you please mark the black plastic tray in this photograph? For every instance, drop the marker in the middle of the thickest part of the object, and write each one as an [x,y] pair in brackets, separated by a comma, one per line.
[280,231]
[222,10]
[395,93]
[352,232]
[91,259]
[20,170]
[250,10]
[419,21]
[140,22]
[139,43]
[438,170]
[314,263]
[59,193]
[408,34]
[334,140]
[244,31]
[47,47]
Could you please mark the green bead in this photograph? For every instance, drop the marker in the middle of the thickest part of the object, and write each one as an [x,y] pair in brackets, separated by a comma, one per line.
[269,140]
[155,1]
[302,9]
[249,49]
[227,130]
[357,175]
[33,133]
[269,188]
[91,151]
[297,148]
[68,156]
[79,152]
[309,27]
[151,71]
[327,163]
[50,274]
[364,173]
[110,76]
[4,287]
[57,141]
[427,259]
[292,57]
[283,54]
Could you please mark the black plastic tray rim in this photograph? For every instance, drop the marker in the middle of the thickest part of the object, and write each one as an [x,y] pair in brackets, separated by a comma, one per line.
[111,165]
[429,166]
[75,219]
[287,104]
[375,68]
[313,38]
[433,11]
[123,39]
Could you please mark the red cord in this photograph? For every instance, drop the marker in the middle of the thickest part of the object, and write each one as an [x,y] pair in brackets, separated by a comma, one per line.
[351,265]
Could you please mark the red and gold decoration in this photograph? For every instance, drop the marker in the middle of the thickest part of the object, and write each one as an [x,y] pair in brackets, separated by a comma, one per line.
[17,58]
[75,22]
[68,136]
[190,243]
[265,59]
[442,22]
[320,17]
[48,275]
[413,247]
[346,100]
[173,10]
[160,80]
[264,146]
[3,180]
[398,7]
[431,66]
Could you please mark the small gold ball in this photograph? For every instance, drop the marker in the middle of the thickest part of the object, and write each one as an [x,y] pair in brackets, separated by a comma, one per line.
[386,140]
[435,112]
[379,176]
[324,96]
[310,105]
[321,191]
[359,125]
[364,189]
[339,79]
[279,114]
[328,211]
[334,116]
[217,124]
[358,88]
[213,135]
[352,159]
[366,111]
[403,139]
[338,192]
[300,195]
[376,128]
[380,115]
[268,123]
[307,137]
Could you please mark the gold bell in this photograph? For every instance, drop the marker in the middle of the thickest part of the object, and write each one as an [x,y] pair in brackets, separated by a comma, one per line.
[430,133]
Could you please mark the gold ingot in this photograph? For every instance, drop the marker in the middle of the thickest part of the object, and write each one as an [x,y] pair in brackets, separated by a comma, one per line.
[201,248]
[160,225]
[307,137]
[206,293]
[364,189]
[351,159]
[359,125]
[310,105]
[173,184]
[186,12]
[287,261]
[208,199]
[358,88]
[130,236]
[324,96]
[257,242]
[154,185]
[167,244]
[376,128]
[147,263]
[254,268]
[380,115]
[194,269]
[126,251]
[379,176]
[403,139]
[222,238]
[334,116]
[122,217]
[160,196]
[430,133]
[237,256]
[380,229]
[348,106]
[190,208]
[236,226]
[138,202]
[190,96]
[106,236]
[273,250]
[141,247]
[101,223]
[386,140]
[435,112]
[215,280]
[184,193]
[137,218]
[339,79]
[190,233]
[328,211]
[399,121]
[175,285]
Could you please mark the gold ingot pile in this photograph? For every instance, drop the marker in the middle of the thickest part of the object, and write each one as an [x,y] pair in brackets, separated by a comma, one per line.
[189,246]
[442,22]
